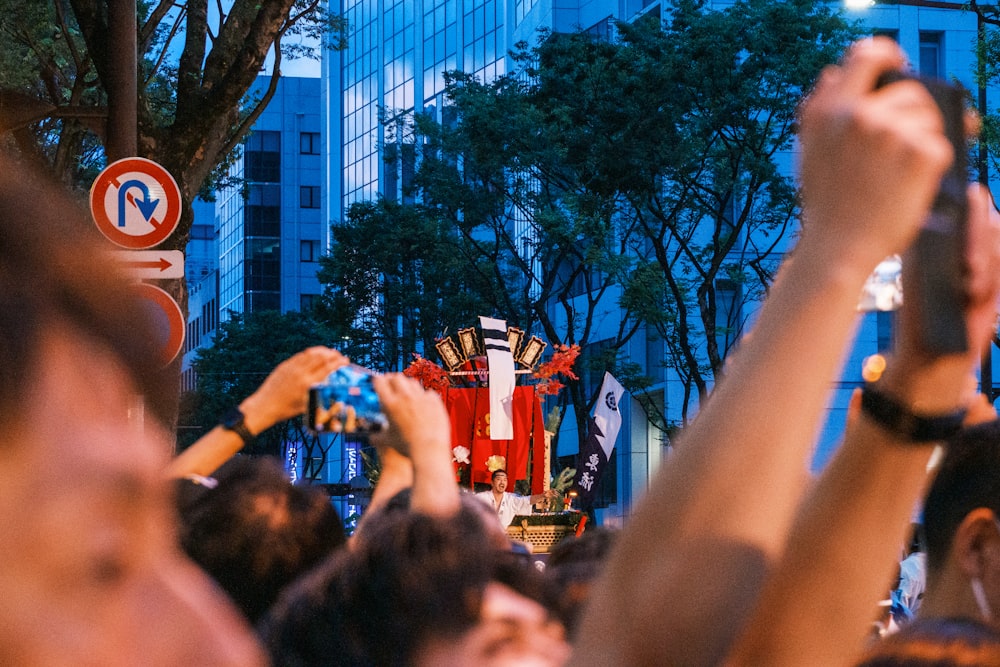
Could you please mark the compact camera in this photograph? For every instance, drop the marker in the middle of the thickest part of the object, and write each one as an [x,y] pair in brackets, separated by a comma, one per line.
[345,403]
[938,289]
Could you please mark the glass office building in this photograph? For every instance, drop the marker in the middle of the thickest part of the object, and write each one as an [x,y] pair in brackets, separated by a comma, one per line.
[267,233]
[397,55]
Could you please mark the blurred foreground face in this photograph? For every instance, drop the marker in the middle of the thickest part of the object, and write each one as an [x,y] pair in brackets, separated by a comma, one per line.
[513,631]
[90,572]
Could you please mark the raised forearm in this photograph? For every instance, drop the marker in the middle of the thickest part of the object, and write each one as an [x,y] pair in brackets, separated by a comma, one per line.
[722,506]
[730,491]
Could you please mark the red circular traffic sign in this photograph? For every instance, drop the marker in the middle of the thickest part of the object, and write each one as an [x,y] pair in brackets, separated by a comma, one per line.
[167,318]
[135,203]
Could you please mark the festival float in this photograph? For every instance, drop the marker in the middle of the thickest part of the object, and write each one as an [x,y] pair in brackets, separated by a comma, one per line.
[493,381]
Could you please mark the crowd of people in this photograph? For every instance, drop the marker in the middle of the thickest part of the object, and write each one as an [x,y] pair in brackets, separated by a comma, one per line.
[116,554]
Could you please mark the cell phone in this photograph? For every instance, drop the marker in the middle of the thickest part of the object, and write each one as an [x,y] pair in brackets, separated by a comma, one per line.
[938,289]
[345,403]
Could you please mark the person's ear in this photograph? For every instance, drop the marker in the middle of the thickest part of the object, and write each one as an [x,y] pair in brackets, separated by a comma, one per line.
[976,544]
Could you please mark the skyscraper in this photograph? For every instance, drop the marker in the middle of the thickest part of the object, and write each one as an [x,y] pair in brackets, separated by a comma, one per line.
[267,230]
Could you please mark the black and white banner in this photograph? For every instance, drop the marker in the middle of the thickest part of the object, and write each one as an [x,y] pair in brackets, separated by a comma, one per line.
[601,437]
[502,377]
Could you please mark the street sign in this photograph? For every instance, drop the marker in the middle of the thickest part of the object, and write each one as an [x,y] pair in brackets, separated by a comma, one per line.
[135,203]
[151,264]
[167,318]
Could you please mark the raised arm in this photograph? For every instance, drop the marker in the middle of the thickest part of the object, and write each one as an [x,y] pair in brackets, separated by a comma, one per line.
[281,396]
[419,429]
[689,565]
[845,542]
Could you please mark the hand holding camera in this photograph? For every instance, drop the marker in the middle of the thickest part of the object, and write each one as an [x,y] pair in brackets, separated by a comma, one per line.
[345,403]
[935,284]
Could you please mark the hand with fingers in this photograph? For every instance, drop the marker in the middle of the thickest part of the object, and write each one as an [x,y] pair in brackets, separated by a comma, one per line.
[872,157]
[420,430]
[284,394]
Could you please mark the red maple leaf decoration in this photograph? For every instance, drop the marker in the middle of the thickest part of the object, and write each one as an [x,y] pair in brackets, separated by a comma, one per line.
[561,363]
[431,375]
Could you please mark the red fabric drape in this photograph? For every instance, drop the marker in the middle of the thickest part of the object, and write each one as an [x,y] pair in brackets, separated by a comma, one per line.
[469,413]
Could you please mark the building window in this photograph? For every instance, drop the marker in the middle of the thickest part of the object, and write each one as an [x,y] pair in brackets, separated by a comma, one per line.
[885,330]
[728,313]
[309,143]
[308,251]
[408,165]
[261,301]
[262,158]
[930,54]
[307,302]
[601,30]
[262,215]
[309,196]
[262,267]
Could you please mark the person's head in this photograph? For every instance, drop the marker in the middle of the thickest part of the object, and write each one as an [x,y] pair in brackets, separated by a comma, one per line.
[255,531]
[937,642]
[488,529]
[91,570]
[419,590]
[573,565]
[499,481]
[961,528]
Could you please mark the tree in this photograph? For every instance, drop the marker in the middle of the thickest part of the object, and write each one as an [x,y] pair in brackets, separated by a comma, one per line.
[645,176]
[246,349]
[192,109]
[59,68]
[396,280]
[707,178]
[498,226]
[987,73]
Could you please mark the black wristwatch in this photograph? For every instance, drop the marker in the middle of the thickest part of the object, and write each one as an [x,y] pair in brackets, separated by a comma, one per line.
[234,420]
[896,418]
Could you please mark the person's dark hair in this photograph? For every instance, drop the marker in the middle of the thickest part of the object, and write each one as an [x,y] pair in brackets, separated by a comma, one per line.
[497,473]
[410,579]
[573,566]
[968,477]
[937,642]
[255,532]
[53,272]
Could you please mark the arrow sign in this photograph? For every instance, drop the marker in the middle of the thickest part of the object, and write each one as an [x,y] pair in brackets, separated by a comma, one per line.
[146,205]
[151,264]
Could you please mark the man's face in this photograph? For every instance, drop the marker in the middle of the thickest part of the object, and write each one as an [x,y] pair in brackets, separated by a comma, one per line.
[499,483]
[91,572]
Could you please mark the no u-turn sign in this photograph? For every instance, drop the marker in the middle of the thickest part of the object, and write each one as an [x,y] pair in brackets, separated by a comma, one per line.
[136,203]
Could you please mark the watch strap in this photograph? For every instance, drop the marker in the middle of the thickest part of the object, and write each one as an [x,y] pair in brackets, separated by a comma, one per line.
[896,418]
[234,420]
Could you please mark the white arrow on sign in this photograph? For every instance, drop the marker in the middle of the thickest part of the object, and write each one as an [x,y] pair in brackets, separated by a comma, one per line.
[151,264]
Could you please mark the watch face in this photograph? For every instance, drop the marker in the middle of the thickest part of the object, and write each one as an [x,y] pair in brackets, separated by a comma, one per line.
[233,419]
